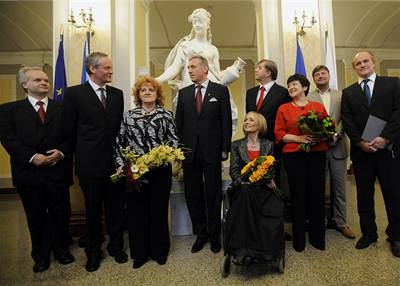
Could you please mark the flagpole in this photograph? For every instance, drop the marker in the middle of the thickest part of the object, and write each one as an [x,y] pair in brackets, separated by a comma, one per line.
[88,40]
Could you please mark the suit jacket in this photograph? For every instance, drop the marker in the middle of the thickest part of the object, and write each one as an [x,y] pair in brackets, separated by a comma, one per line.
[23,135]
[276,96]
[385,104]
[91,129]
[211,130]
[338,150]
[239,157]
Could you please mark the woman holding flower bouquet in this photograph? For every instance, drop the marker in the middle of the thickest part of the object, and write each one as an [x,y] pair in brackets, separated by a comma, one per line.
[305,167]
[143,128]
[253,229]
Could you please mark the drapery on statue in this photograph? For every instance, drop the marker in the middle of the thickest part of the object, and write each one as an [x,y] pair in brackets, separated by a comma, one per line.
[198,42]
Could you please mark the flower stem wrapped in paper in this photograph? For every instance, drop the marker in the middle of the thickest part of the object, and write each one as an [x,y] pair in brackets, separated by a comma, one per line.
[318,125]
[138,165]
[261,171]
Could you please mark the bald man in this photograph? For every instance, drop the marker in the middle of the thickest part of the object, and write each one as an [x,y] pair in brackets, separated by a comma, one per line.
[378,157]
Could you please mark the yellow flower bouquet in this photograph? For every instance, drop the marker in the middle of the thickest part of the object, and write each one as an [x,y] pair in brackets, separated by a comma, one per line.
[138,165]
[261,172]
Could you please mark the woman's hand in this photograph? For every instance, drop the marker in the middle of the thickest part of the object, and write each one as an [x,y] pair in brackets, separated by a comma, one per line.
[305,139]
[120,170]
[272,184]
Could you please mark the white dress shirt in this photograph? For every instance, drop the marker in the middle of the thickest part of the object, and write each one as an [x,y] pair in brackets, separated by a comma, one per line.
[326,99]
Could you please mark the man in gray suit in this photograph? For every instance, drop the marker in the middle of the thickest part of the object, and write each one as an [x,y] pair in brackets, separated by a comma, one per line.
[337,153]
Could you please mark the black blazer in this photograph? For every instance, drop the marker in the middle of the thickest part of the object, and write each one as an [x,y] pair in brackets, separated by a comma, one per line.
[23,135]
[212,129]
[91,129]
[276,96]
[385,104]
[239,157]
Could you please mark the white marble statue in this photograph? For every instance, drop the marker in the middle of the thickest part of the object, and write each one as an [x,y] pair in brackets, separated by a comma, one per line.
[198,42]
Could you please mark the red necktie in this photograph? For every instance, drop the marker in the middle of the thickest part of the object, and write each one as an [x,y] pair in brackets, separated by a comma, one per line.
[41,112]
[261,99]
[199,99]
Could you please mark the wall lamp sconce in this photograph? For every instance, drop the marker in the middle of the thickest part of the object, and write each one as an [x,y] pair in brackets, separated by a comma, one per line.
[302,25]
[86,20]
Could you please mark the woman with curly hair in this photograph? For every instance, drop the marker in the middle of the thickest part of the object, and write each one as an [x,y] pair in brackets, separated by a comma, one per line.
[146,126]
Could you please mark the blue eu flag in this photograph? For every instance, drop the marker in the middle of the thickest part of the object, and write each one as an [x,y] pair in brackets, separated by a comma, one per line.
[60,79]
[84,76]
[300,67]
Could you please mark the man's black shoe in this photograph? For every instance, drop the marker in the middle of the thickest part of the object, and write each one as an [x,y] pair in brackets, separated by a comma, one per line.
[41,265]
[199,243]
[92,264]
[64,258]
[365,241]
[395,248]
[139,262]
[119,256]
[215,247]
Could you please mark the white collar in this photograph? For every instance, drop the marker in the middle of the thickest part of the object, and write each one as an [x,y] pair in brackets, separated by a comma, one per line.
[268,85]
[372,78]
[203,84]
[95,86]
[323,92]
[34,100]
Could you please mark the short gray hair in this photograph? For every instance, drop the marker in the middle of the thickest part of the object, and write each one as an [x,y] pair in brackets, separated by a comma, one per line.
[21,76]
[93,59]
[202,59]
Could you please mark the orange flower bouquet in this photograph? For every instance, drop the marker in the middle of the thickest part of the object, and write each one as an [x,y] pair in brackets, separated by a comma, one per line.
[261,171]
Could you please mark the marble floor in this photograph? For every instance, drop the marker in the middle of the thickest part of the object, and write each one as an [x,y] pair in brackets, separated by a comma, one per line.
[339,264]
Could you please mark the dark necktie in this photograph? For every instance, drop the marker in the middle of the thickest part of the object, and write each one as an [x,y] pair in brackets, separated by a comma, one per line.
[261,98]
[102,97]
[366,90]
[41,112]
[199,99]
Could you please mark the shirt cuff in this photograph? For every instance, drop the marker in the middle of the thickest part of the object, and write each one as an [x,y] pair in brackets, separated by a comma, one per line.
[33,157]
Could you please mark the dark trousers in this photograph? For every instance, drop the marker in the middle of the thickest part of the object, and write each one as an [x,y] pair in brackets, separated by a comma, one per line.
[48,210]
[203,193]
[98,192]
[306,176]
[147,214]
[387,172]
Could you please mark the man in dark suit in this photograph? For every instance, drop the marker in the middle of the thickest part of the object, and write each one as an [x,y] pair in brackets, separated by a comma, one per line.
[41,164]
[92,117]
[380,157]
[266,99]
[204,125]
